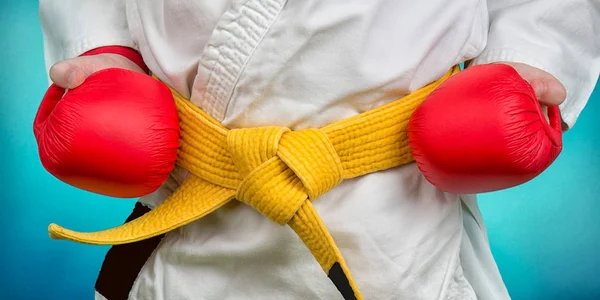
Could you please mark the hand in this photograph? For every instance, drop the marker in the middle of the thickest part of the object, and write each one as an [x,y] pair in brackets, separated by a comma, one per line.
[548,90]
[71,73]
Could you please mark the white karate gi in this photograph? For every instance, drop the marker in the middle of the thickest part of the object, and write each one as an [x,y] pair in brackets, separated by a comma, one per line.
[307,63]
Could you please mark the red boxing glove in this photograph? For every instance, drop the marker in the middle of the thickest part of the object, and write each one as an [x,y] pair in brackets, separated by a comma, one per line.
[483,130]
[117,134]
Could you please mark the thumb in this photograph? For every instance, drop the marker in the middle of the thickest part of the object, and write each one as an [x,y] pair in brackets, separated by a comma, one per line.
[548,91]
[72,72]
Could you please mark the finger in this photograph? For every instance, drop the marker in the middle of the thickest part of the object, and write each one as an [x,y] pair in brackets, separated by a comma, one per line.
[71,73]
[549,92]
[67,74]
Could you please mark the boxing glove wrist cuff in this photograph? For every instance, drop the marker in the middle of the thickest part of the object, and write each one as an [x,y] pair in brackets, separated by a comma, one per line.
[127,52]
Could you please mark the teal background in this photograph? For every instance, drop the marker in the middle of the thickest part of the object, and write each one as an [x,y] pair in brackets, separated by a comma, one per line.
[545,234]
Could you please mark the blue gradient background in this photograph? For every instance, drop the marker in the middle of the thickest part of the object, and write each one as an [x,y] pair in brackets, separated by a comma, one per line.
[544,234]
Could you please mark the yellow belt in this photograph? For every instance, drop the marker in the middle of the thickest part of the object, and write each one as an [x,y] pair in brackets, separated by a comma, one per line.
[276,171]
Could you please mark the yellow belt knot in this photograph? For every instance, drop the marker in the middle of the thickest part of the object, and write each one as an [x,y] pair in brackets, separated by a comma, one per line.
[300,164]
[276,171]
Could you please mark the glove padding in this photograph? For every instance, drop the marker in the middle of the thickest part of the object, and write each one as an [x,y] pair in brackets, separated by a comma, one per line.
[117,134]
[483,130]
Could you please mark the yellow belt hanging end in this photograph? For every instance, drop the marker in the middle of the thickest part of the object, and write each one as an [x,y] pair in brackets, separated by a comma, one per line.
[276,171]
